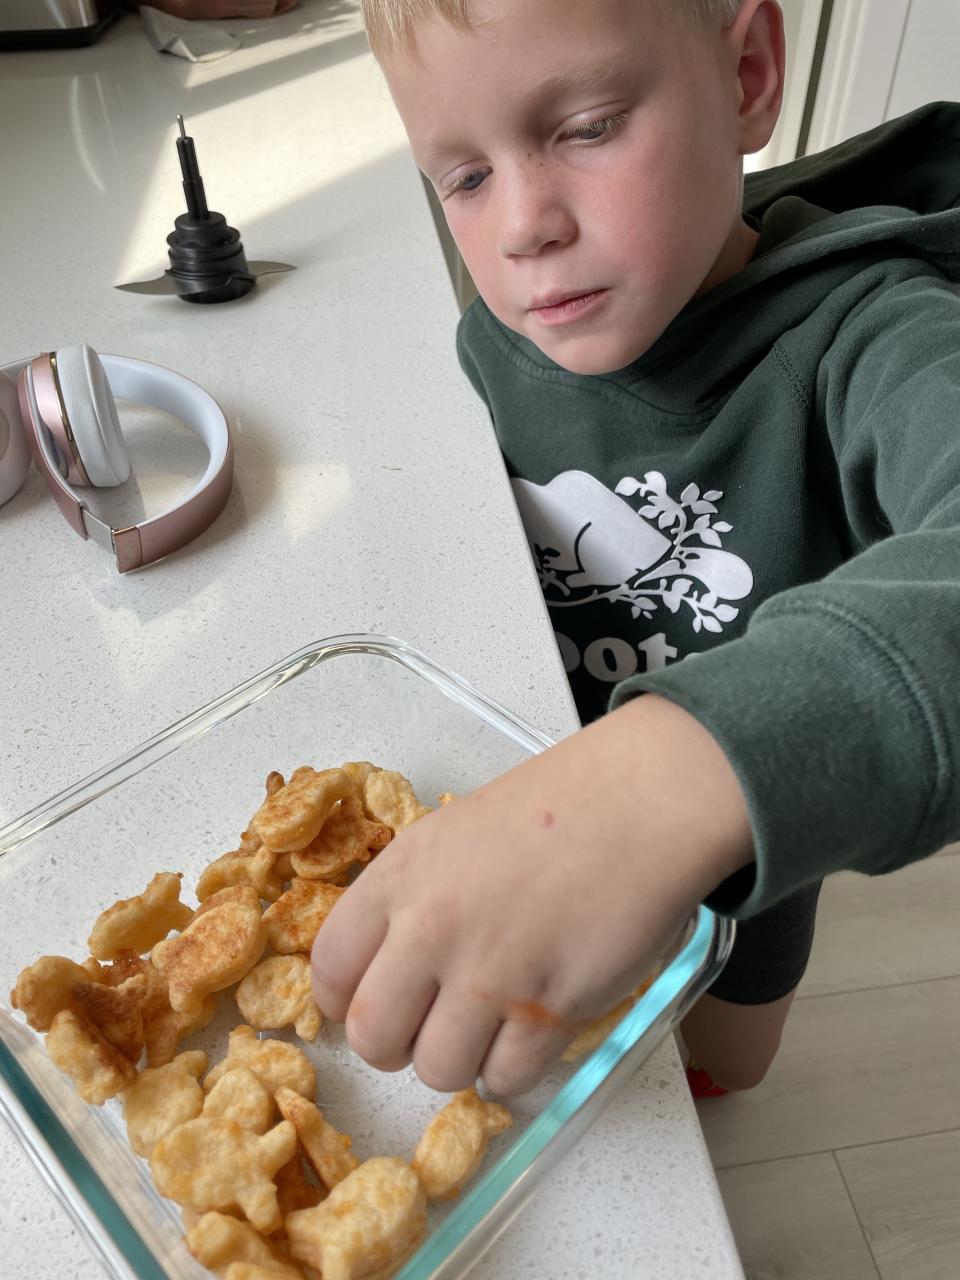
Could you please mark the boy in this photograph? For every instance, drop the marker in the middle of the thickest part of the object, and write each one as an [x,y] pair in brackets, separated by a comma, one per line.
[731,424]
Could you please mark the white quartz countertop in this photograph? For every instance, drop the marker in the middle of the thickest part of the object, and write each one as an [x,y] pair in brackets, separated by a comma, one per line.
[369,496]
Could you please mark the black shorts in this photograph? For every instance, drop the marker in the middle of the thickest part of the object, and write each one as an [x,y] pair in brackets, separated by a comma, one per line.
[771,951]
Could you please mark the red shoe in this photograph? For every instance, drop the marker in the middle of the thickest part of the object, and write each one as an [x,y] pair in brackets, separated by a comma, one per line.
[701,1085]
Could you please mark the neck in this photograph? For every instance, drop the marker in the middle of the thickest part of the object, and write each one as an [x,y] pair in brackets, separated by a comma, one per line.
[734,256]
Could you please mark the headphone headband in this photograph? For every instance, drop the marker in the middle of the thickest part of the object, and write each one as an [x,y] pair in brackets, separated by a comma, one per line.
[138,544]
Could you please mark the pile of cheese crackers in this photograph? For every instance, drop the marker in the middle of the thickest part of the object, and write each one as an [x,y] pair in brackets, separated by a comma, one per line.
[267,1186]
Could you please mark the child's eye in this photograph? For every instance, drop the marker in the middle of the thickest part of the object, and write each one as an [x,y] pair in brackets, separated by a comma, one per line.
[468,183]
[597,129]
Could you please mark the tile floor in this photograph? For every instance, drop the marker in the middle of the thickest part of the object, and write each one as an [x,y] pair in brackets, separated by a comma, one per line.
[845,1163]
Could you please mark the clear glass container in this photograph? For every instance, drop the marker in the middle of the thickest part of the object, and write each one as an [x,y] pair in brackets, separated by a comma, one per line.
[182,799]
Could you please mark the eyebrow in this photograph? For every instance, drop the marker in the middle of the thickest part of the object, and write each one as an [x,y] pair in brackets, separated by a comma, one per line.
[582,79]
[591,76]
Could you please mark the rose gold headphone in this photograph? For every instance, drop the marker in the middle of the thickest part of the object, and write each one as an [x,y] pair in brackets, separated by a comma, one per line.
[61,410]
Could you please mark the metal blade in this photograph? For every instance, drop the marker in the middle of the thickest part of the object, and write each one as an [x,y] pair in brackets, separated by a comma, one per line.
[162,285]
[268,268]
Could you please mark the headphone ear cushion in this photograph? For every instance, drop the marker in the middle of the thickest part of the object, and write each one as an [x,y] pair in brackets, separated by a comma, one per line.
[92,415]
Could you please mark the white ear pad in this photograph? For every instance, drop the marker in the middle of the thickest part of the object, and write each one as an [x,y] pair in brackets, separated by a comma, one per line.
[92,415]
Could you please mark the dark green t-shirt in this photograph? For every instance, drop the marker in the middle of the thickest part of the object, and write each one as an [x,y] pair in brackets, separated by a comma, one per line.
[760,518]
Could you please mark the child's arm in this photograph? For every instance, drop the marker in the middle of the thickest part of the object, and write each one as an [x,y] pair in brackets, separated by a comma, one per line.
[834,722]
[839,709]
[486,931]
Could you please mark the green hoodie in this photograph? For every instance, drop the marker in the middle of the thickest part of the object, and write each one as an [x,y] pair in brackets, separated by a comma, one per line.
[772,493]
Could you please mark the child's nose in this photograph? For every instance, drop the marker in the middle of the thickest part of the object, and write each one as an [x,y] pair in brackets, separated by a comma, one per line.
[533,216]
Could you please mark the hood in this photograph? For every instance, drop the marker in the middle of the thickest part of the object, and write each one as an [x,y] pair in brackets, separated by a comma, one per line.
[900,181]
[912,163]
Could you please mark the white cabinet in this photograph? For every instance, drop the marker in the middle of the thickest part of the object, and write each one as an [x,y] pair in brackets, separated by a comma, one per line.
[929,64]
[882,59]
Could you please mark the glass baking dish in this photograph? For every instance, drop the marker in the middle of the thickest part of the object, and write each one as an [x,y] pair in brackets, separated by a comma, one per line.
[179,801]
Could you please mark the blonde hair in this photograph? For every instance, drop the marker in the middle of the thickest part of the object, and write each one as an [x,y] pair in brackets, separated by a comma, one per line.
[725,10]
[390,23]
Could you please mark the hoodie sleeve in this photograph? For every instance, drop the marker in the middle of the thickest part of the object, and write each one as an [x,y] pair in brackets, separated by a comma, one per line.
[839,708]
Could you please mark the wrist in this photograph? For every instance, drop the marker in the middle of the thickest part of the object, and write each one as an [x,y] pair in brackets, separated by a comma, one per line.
[693,806]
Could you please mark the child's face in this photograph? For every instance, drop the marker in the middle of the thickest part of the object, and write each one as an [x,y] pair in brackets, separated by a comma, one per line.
[584,151]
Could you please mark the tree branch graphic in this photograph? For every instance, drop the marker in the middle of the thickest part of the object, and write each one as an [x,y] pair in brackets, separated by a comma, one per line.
[670,584]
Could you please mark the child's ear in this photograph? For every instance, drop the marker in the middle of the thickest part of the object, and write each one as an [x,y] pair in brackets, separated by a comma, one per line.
[757,43]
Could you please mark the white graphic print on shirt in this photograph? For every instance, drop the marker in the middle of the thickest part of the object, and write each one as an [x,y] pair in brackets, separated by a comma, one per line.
[590,544]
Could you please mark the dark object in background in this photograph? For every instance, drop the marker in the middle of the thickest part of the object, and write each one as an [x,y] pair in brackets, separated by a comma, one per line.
[207,262]
[52,24]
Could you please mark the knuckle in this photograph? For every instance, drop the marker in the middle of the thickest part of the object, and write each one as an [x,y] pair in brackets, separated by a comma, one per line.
[516,1069]
[373,1049]
[443,1079]
[389,1065]
[504,1081]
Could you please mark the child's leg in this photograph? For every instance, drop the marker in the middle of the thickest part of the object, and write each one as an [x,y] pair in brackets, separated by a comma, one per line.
[733,1032]
[735,1043]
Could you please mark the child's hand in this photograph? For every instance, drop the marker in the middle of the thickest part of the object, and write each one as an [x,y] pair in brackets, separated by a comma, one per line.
[484,933]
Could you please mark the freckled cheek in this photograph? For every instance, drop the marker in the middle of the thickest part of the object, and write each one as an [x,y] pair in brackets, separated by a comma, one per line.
[476,240]
[635,237]
[658,233]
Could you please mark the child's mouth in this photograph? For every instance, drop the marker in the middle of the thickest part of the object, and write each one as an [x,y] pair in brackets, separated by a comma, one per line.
[565,310]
